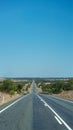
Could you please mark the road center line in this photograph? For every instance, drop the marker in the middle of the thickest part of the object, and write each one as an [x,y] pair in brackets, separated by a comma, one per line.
[58,120]
[66,125]
[12,104]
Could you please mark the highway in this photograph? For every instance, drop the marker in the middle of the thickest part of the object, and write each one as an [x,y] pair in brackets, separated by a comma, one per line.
[37,112]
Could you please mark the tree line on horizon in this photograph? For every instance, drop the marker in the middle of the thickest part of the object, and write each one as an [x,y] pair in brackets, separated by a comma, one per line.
[56,86]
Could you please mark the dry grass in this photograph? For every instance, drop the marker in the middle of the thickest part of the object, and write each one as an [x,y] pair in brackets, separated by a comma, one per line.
[4,97]
[39,90]
[2,79]
[65,94]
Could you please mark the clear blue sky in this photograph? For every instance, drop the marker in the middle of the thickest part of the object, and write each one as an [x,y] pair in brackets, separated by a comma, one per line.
[36,38]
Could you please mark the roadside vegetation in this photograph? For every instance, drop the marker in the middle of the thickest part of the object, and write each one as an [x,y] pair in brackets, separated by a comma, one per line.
[11,87]
[56,86]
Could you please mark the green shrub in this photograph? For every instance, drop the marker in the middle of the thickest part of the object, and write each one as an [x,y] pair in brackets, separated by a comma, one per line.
[19,87]
[8,85]
[11,92]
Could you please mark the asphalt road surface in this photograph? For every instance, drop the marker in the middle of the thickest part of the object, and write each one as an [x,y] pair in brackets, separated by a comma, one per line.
[37,112]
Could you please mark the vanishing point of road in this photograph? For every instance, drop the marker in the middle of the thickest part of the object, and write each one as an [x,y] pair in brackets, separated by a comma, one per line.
[37,112]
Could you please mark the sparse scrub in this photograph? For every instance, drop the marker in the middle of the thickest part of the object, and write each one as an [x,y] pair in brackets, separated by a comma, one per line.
[56,86]
[11,87]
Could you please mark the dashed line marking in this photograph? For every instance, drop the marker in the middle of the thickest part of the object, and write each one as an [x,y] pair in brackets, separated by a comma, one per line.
[58,120]
[65,124]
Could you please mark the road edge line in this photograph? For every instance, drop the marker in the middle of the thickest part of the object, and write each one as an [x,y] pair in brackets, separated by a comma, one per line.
[12,104]
[66,125]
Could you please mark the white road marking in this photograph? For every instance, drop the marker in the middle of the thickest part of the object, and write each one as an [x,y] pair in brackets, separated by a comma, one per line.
[41,100]
[46,104]
[12,104]
[66,125]
[58,120]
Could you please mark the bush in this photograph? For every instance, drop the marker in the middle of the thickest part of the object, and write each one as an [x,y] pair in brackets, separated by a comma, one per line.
[53,87]
[8,85]
[57,86]
[11,92]
[19,87]
[68,85]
